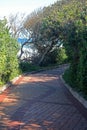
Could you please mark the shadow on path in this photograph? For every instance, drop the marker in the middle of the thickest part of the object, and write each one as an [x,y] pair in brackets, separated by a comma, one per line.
[41,102]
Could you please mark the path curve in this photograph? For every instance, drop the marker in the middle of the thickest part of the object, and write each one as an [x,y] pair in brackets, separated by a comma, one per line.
[41,102]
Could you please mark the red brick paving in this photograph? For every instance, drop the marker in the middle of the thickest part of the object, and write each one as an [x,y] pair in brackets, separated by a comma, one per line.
[6,91]
[41,102]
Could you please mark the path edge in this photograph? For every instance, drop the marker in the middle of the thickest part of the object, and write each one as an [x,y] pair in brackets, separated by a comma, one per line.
[74,93]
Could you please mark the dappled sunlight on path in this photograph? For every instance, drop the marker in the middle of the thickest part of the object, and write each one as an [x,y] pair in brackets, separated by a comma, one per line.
[39,102]
[39,78]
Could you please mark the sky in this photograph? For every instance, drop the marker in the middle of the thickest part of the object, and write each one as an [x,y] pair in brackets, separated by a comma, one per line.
[8,7]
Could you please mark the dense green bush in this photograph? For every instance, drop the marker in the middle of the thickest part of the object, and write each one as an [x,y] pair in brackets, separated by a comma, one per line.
[76,45]
[57,56]
[27,67]
[9,67]
[82,64]
[61,56]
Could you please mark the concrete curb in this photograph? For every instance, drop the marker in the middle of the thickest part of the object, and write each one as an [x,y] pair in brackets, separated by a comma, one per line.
[75,94]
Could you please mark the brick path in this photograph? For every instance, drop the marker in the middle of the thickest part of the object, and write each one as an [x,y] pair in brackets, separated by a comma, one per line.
[41,102]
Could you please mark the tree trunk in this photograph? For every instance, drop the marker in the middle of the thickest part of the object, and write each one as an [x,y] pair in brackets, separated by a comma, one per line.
[45,53]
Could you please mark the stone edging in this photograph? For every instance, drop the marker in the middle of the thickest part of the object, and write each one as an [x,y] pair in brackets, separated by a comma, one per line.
[75,94]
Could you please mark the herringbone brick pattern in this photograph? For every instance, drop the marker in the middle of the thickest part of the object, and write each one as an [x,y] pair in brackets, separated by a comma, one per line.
[40,102]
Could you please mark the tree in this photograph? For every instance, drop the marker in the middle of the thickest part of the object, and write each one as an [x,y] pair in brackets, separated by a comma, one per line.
[44,32]
[15,24]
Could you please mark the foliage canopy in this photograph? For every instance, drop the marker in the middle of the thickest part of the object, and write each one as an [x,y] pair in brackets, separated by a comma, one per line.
[64,22]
